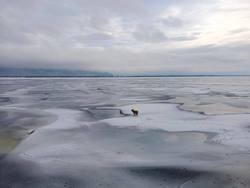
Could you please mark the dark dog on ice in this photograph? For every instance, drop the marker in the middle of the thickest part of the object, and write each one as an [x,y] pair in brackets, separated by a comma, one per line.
[135,113]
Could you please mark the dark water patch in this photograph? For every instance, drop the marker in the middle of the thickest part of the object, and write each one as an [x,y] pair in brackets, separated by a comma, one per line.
[26,174]
[4,99]
[182,177]
[217,180]
[164,97]
[23,174]
[217,93]
[7,100]
[165,173]
[205,156]
[38,92]
[204,103]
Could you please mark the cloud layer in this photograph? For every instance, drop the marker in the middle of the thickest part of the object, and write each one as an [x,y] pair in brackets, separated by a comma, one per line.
[127,36]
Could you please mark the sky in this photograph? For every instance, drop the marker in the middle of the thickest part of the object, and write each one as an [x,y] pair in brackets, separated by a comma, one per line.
[127,36]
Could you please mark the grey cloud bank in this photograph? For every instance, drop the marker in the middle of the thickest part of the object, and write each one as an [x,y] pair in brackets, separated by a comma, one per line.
[127,36]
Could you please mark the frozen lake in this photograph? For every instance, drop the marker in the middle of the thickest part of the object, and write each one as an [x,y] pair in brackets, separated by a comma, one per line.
[80,132]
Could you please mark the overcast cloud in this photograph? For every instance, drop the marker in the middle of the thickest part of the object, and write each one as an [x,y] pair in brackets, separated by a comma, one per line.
[127,36]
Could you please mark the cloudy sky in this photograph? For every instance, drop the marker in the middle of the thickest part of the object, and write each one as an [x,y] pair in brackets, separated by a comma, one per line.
[127,36]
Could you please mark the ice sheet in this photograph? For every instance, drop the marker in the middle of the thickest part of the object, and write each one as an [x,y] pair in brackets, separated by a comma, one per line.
[232,130]
[190,132]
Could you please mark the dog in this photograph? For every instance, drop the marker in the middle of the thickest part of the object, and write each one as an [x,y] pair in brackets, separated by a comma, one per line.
[135,112]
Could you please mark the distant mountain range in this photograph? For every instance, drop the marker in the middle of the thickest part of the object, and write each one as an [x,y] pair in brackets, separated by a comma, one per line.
[35,72]
[30,72]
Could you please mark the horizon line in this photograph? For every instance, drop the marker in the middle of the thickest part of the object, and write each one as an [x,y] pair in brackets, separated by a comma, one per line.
[128,76]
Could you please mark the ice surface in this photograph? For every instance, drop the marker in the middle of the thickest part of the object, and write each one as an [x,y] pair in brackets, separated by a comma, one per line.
[190,132]
[232,130]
